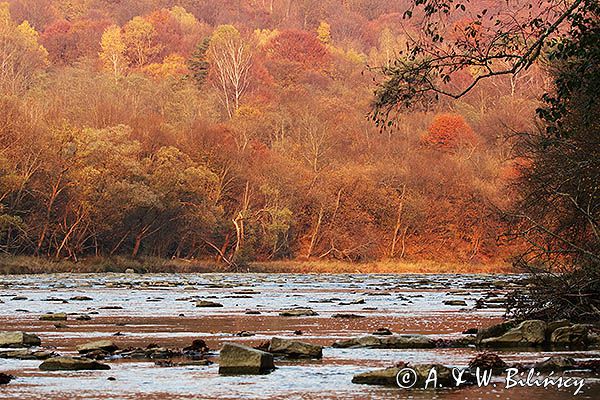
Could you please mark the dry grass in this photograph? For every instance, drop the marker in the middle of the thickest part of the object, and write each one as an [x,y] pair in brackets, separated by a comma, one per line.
[33,265]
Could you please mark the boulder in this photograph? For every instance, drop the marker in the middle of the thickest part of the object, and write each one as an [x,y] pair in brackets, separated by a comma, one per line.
[295,349]
[554,325]
[298,312]
[456,303]
[388,376]
[5,378]
[574,335]
[488,361]
[382,377]
[103,345]
[81,298]
[388,342]
[208,304]
[236,359]
[72,364]
[555,363]
[383,332]
[347,316]
[54,317]
[495,330]
[527,334]
[26,354]
[18,339]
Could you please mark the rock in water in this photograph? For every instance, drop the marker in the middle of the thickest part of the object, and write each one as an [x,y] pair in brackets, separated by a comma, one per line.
[295,349]
[208,304]
[18,339]
[298,312]
[455,303]
[573,336]
[527,334]
[72,364]
[495,330]
[388,342]
[388,376]
[5,378]
[103,345]
[487,361]
[236,359]
[555,363]
[54,317]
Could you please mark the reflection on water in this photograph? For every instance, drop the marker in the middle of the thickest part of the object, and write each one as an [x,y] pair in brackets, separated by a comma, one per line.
[161,309]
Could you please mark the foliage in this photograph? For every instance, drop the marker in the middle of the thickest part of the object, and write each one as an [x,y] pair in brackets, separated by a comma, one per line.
[203,130]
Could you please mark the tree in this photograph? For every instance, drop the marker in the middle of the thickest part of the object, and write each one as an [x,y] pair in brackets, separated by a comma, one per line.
[139,37]
[113,50]
[299,47]
[21,55]
[504,40]
[231,57]
[324,33]
[449,131]
[198,62]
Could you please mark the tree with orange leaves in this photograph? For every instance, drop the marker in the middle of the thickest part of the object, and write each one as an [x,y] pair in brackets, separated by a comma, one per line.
[450,131]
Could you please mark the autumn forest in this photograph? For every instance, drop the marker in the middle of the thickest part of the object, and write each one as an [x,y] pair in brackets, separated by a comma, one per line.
[242,131]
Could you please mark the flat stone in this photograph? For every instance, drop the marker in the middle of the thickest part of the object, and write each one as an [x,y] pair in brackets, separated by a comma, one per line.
[388,342]
[19,339]
[555,363]
[456,303]
[54,317]
[81,298]
[347,316]
[527,334]
[236,359]
[295,349]
[388,376]
[72,364]
[26,354]
[298,312]
[208,304]
[104,345]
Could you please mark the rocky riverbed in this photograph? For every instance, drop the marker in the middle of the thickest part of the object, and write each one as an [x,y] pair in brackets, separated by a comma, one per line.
[123,336]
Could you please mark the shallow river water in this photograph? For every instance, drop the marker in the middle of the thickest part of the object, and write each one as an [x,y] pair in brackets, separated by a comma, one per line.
[160,309]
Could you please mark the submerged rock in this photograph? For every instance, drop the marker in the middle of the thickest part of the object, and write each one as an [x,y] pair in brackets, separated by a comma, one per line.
[54,317]
[81,298]
[527,334]
[298,312]
[208,304]
[388,342]
[555,363]
[72,364]
[19,339]
[455,303]
[295,349]
[236,359]
[347,316]
[26,354]
[388,376]
[382,332]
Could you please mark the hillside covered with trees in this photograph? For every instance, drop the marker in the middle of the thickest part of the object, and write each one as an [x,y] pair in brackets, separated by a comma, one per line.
[241,130]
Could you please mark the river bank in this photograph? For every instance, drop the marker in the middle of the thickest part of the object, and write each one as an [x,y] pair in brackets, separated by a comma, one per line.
[26,265]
